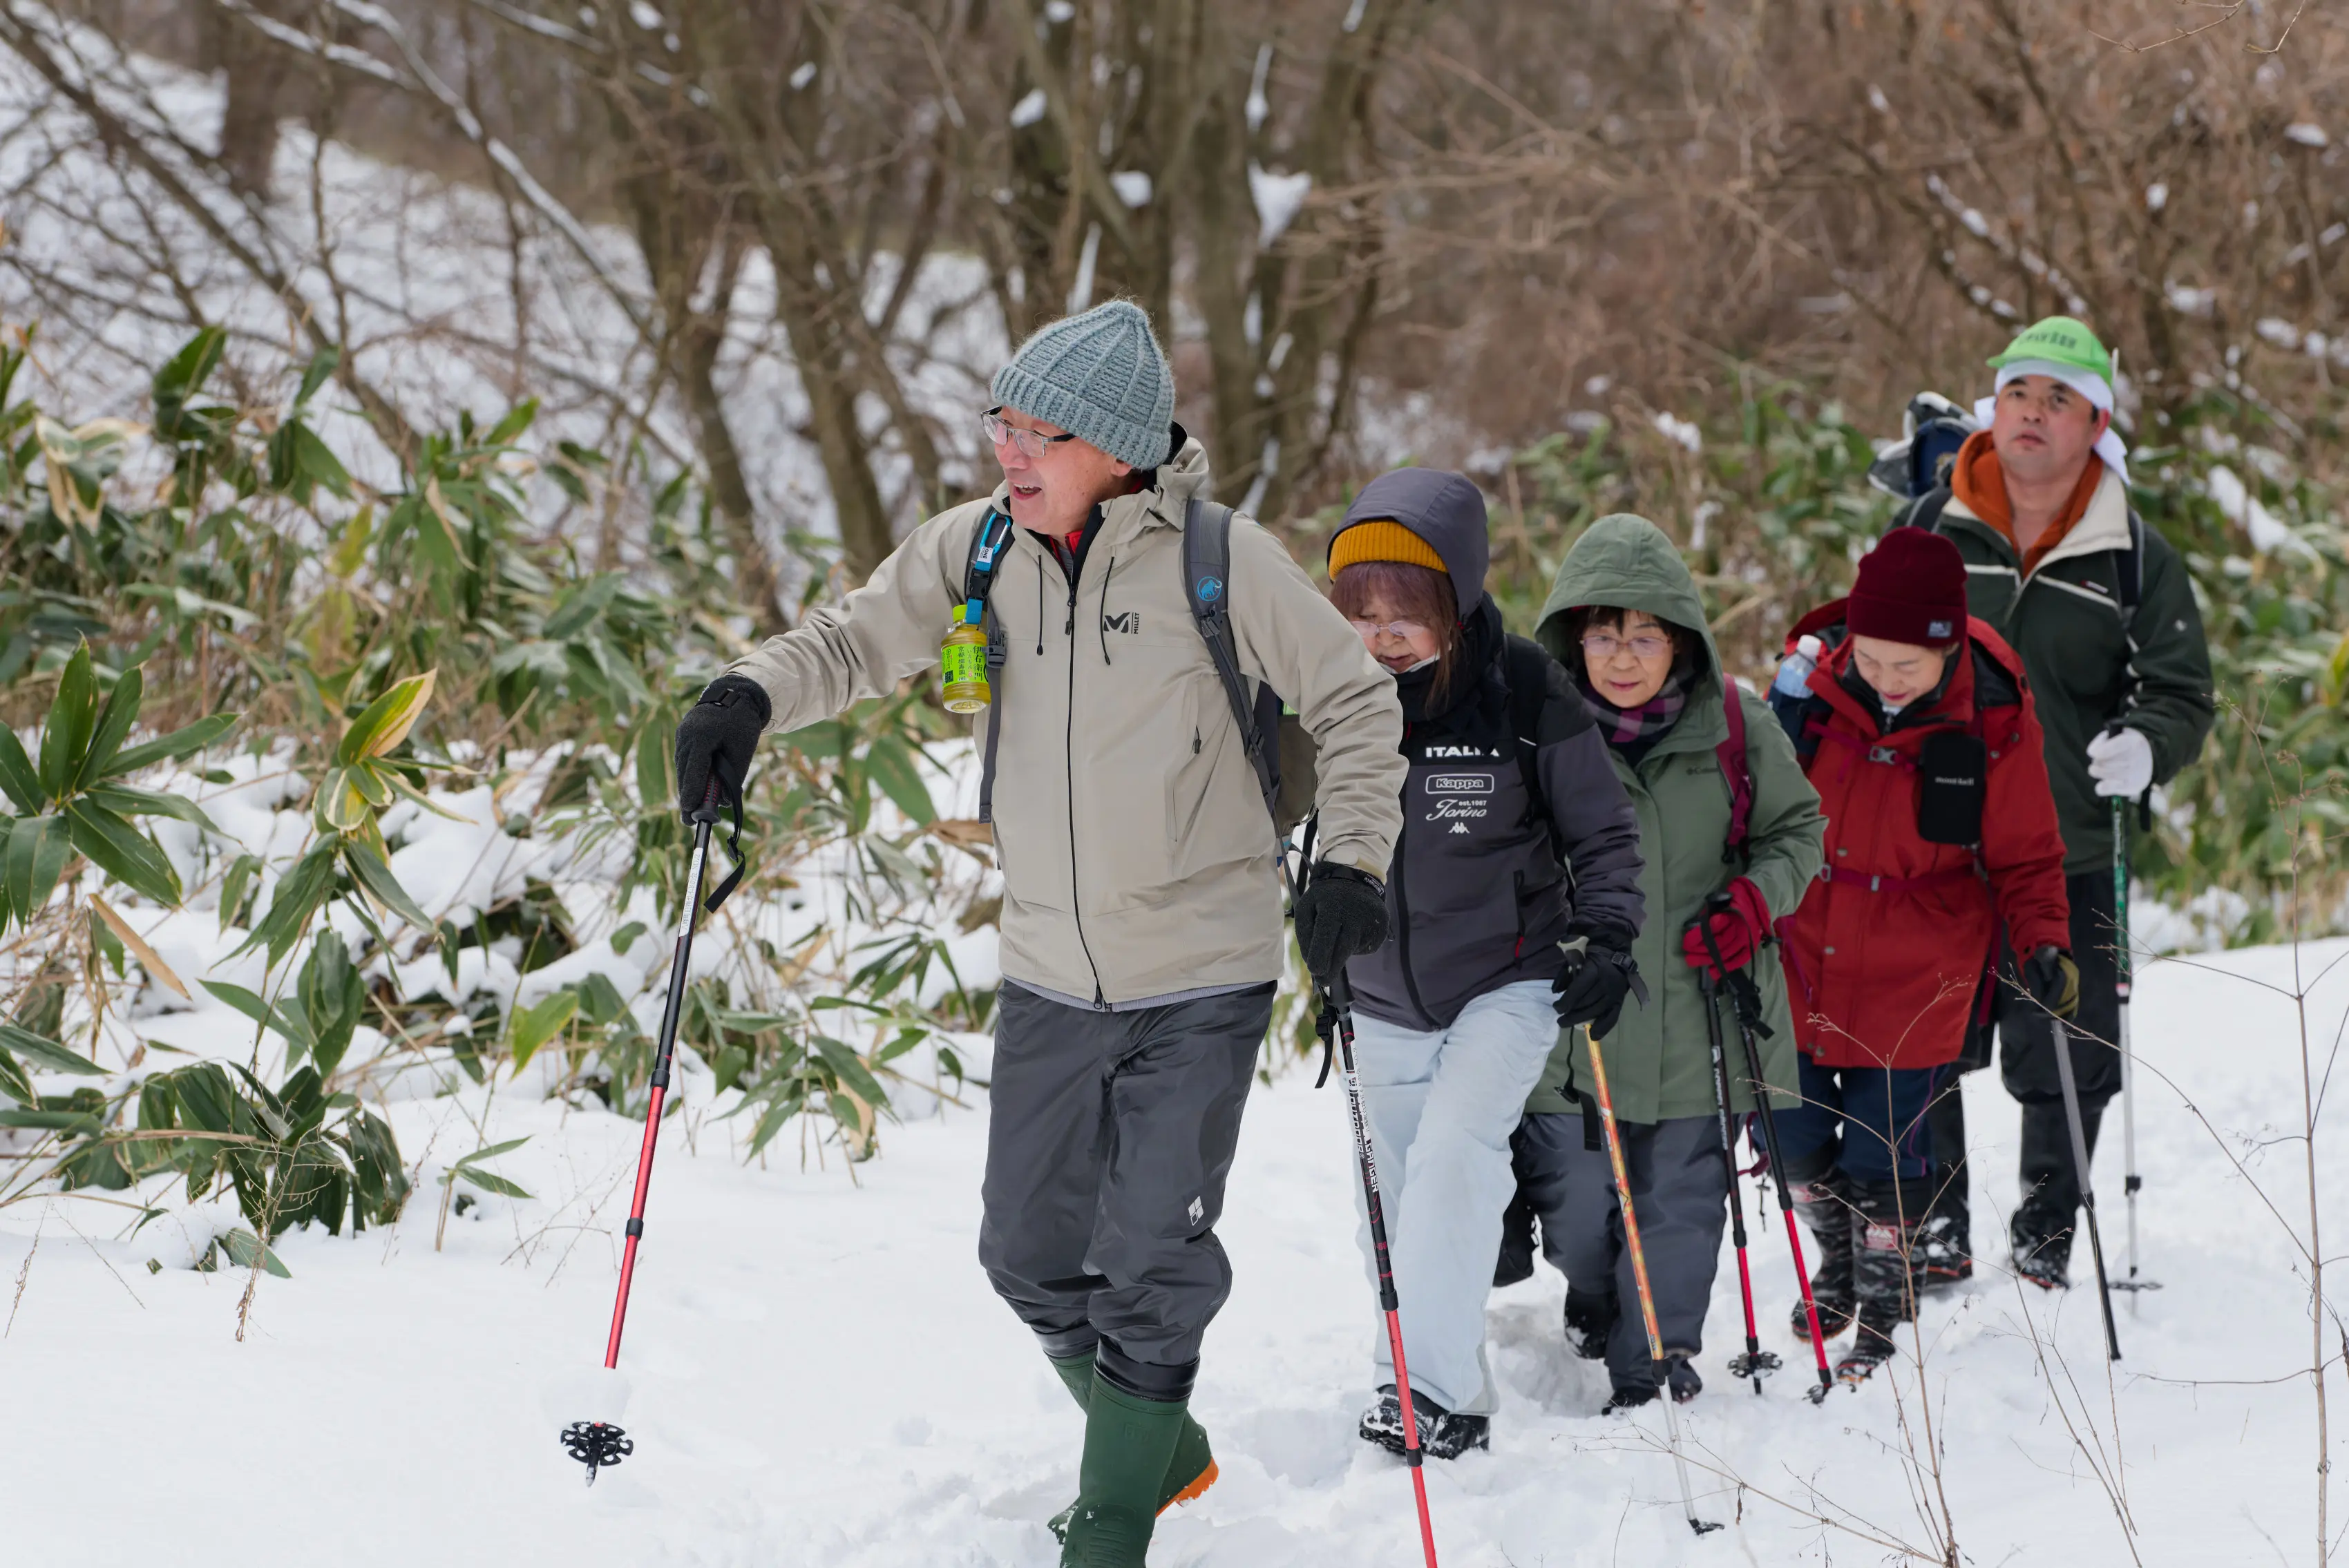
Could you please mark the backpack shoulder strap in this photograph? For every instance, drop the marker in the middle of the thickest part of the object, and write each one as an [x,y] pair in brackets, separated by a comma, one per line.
[988,540]
[1526,668]
[1737,772]
[1207,583]
[1925,512]
[2133,567]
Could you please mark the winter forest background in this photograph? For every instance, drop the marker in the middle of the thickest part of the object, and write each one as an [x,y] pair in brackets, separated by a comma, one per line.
[409,405]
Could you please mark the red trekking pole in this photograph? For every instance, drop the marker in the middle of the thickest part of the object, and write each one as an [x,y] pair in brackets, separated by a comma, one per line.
[1340,1000]
[1745,1003]
[600,1444]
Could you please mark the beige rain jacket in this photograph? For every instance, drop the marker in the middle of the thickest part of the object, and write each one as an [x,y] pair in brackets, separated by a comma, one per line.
[1136,852]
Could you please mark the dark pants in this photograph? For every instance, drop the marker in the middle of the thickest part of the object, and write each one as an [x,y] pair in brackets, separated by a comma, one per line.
[1108,1139]
[1870,1123]
[1678,1189]
[2026,1057]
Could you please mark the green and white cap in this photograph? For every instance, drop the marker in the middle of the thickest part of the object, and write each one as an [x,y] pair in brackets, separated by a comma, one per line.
[2064,349]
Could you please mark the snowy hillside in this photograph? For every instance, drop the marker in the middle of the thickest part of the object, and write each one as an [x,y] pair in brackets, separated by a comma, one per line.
[821,1373]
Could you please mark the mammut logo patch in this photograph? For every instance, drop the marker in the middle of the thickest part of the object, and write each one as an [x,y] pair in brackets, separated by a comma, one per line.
[1459,784]
[1128,622]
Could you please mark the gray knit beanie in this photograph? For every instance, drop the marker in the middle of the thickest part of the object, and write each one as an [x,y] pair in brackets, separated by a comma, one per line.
[1099,375]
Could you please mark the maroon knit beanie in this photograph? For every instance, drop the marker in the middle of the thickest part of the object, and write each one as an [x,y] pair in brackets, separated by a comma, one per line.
[1911,589]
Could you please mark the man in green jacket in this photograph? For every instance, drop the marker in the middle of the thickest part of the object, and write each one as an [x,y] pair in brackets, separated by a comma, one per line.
[2101,610]
[1625,619]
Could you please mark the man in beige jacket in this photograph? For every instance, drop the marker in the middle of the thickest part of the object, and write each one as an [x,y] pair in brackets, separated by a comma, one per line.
[1141,926]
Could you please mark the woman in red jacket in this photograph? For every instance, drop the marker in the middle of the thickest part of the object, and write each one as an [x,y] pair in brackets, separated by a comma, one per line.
[1918,734]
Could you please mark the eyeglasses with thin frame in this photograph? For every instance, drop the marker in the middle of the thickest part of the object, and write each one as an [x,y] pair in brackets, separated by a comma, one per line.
[1600,645]
[1003,433]
[1372,631]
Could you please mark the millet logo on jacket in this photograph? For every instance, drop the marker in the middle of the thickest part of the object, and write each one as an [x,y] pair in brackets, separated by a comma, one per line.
[1126,621]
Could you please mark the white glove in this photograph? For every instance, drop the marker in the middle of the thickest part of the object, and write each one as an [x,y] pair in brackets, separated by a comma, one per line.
[2121,762]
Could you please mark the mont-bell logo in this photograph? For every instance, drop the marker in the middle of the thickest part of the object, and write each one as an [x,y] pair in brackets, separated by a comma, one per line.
[1938,629]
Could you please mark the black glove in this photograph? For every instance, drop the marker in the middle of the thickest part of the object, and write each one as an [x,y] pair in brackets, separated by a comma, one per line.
[2053,980]
[1591,987]
[718,735]
[1341,912]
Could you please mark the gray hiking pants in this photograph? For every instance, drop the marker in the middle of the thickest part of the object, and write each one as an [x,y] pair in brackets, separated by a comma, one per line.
[1108,1139]
[1679,1191]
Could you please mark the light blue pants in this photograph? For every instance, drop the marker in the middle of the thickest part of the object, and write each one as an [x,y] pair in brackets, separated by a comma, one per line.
[1442,1106]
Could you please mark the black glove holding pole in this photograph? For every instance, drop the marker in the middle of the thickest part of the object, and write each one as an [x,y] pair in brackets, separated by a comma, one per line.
[716,739]
[1591,987]
[1341,913]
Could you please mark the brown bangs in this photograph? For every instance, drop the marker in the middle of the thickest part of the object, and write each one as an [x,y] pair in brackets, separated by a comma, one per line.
[1412,593]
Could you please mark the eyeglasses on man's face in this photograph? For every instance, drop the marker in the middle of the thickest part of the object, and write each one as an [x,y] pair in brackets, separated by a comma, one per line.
[1003,433]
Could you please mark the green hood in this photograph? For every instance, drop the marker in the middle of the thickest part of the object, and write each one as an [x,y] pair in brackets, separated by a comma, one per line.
[1630,563]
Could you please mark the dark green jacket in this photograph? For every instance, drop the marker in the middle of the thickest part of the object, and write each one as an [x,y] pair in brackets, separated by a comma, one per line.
[2088,660]
[1659,1058]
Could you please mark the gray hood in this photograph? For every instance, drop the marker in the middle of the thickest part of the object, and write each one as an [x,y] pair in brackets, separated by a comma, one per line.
[1446,510]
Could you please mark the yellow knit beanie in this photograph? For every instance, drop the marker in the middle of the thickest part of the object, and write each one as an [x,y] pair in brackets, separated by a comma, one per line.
[1382,539]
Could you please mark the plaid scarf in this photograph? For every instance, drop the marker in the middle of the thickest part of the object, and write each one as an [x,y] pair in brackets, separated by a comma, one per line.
[1636,727]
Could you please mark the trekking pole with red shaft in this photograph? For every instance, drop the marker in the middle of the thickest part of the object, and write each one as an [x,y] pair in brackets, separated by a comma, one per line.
[1640,1277]
[600,1444]
[1341,1000]
[1745,1005]
[1756,1362]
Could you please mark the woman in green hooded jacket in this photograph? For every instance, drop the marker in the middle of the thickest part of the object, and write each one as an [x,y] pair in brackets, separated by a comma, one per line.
[1624,618]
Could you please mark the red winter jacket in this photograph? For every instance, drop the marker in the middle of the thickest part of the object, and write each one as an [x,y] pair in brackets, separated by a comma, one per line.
[1887,951]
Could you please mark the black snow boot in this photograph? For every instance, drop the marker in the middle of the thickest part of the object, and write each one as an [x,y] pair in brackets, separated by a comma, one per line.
[1824,1204]
[1685,1384]
[2041,1239]
[1589,1318]
[1884,1237]
[1944,1254]
[1443,1434]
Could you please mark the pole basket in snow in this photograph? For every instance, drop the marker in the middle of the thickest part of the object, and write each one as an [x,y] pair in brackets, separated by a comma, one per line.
[599,1445]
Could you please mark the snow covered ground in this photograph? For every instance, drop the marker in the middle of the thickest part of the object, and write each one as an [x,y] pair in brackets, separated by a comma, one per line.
[821,1376]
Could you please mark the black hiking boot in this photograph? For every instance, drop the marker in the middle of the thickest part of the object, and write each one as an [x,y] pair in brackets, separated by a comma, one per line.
[1942,1257]
[2042,1241]
[1589,1318]
[1685,1384]
[1825,1206]
[1443,1434]
[1884,1237]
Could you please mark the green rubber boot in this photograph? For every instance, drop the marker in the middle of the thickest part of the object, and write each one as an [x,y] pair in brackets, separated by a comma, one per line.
[1191,1472]
[1129,1443]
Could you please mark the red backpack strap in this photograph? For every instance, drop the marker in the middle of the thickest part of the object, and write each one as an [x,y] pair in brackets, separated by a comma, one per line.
[1737,772]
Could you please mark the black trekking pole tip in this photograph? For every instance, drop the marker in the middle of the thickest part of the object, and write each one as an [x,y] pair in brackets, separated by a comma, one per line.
[597,1445]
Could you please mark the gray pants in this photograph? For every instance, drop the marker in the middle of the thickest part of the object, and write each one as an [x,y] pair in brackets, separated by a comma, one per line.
[1108,1139]
[1679,1190]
